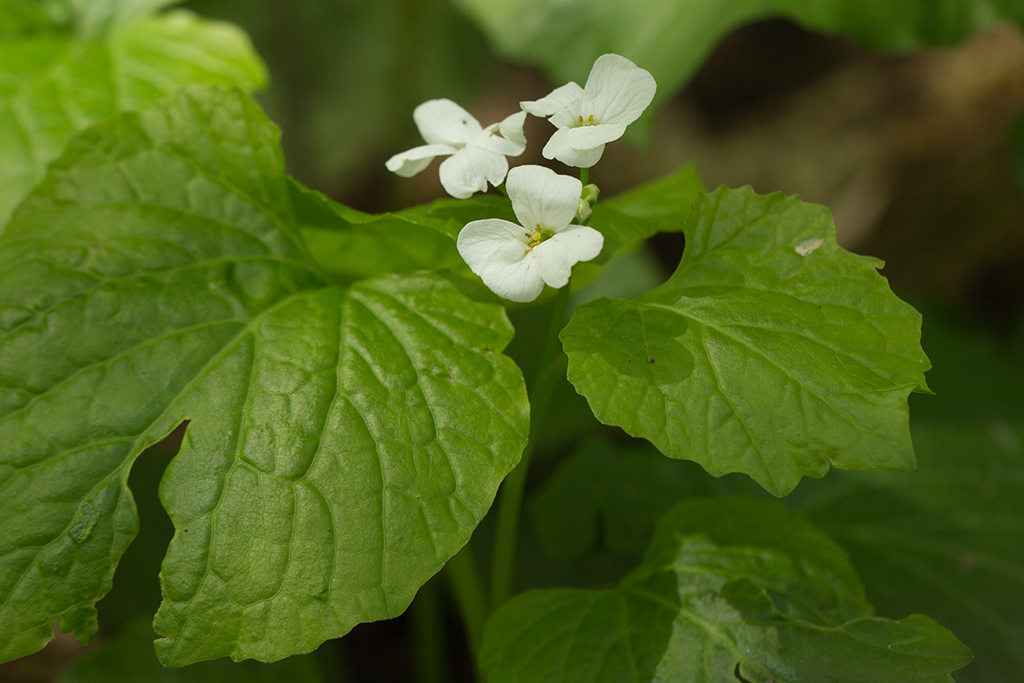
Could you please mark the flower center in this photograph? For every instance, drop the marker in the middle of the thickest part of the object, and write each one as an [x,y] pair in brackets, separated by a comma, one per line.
[539,235]
[589,122]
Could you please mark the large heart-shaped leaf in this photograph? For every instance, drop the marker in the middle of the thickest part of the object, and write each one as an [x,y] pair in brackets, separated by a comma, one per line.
[343,442]
[54,82]
[770,351]
[731,589]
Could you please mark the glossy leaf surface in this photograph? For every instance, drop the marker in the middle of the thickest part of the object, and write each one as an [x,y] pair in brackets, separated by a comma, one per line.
[730,589]
[342,443]
[56,79]
[771,351]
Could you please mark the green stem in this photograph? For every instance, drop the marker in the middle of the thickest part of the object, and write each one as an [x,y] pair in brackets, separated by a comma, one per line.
[470,597]
[511,501]
[428,636]
[584,175]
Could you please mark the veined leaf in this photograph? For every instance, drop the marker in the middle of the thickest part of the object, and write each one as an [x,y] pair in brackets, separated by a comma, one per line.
[53,83]
[948,539]
[730,589]
[672,38]
[659,206]
[771,351]
[343,443]
[350,244]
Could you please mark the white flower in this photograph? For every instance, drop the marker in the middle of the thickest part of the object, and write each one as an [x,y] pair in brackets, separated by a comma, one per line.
[516,261]
[477,154]
[617,92]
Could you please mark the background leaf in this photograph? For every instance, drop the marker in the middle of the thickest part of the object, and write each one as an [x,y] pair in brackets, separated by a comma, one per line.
[342,444]
[672,38]
[948,539]
[945,540]
[771,351]
[608,497]
[53,82]
[350,244]
[658,206]
[730,588]
[128,658]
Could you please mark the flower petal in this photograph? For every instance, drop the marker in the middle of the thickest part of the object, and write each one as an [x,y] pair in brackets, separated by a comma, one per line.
[468,170]
[555,257]
[588,137]
[617,90]
[558,148]
[412,161]
[511,128]
[498,252]
[541,197]
[505,138]
[562,105]
[446,123]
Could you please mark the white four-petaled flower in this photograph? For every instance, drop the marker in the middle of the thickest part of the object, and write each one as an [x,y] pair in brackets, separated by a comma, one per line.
[587,118]
[477,154]
[516,261]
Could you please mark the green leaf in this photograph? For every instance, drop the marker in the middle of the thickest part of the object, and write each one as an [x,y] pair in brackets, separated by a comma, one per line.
[608,496]
[342,443]
[730,589]
[659,206]
[945,540]
[672,38]
[93,18]
[18,18]
[129,658]
[53,84]
[771,351]
[948,539]
[350,244]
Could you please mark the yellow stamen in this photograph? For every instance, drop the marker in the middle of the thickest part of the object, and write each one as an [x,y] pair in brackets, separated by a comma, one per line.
[538,236]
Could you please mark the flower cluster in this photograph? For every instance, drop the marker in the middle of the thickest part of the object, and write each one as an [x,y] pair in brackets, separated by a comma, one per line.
[516,261]
[477,154]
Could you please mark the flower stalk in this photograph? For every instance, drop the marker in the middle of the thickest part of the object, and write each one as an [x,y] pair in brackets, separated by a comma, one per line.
[511,499]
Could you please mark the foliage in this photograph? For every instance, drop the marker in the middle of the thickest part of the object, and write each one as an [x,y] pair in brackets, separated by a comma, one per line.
[90,60]
[951,529]
[129,658]
[770,351]
[351,396]
[343,442]
[673,37]
[729,587]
